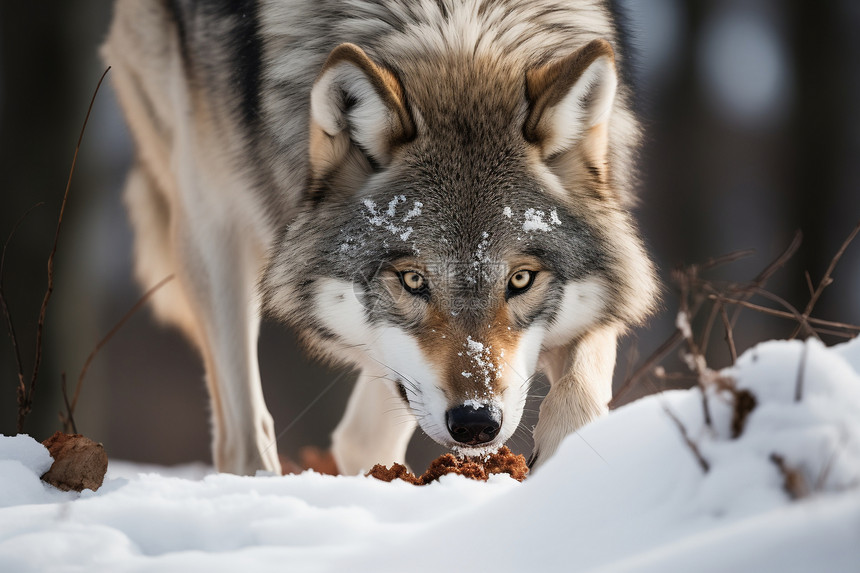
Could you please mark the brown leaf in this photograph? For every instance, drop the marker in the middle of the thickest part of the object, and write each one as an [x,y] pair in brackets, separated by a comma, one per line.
[79,462]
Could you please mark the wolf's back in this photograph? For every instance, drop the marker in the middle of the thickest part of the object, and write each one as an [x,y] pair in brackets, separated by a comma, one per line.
[252,65]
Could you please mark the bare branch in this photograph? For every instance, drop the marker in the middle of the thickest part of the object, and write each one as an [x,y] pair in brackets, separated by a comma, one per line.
[787,315]
[709,325]
[661,374]
[730,339]
[725,259]
[668,346]
[774,266]
[696,291]
[137,306]
[684,322]
[67,419]
[809,284]
[826,280]
[802,320]
[21,390]
[703,463]
[836,333]
[40,326]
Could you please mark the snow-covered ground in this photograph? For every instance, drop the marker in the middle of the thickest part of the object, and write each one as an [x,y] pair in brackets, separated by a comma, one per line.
[626,493]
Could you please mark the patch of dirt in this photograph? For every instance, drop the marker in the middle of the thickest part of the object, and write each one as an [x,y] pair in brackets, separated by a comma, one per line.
[503,461]
[312,458]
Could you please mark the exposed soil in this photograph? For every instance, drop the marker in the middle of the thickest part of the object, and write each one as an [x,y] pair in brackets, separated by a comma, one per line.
[503,461]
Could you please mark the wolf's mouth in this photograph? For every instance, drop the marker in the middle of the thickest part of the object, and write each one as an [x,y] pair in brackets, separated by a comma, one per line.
[476,451]
[466,435]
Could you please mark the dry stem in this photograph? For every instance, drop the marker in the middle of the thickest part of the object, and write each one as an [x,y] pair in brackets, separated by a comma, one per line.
[768,272]
[24,409]
[69,425]
[826,280]
[703,463]
[695,291]
[730,339]
[783,314]
[67,419]
[21,391]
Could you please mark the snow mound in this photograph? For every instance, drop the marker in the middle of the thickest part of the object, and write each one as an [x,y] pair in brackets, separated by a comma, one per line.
[765,482]
[23,460]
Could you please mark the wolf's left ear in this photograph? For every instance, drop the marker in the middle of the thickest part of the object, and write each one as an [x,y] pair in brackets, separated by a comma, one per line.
[570,102]
[357,107]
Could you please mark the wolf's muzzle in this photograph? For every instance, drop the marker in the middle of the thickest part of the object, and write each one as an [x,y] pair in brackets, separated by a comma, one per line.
[472,426]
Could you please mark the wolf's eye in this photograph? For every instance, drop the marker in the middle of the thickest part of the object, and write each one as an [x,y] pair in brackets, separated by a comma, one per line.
[413,282]
[520,281]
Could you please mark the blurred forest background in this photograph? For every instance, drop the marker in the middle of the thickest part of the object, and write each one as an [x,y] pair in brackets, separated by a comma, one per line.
[753,132]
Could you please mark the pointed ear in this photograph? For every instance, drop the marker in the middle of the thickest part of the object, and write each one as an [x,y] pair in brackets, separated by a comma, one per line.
[356,103]
[570,102]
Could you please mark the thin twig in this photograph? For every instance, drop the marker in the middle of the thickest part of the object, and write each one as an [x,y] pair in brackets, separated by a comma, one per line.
[801,372]
[802,320]
[137,306]
[668,346]
[783,314]
[685,376]
[703,463]
[809,284]
[762,278]
[68,419]
[698,361]
[709,326]
[826,280]
[839,334]
[695,291]
[21,391]
[725,259]
[40,325]
[730,339]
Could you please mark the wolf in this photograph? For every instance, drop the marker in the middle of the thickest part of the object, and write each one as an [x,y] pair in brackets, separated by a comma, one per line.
[436,192]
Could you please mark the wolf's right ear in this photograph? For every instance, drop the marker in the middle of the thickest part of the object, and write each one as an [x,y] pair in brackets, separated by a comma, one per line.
[570,103]
[356,103]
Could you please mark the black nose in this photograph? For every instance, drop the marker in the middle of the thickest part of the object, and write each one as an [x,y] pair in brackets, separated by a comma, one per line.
[473,426]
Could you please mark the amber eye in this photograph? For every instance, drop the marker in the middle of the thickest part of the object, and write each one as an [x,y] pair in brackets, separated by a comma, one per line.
[413,282]
[520,281]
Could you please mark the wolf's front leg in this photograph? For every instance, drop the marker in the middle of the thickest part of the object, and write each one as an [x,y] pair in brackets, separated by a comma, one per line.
[217,271]
[580,378]
[375,428]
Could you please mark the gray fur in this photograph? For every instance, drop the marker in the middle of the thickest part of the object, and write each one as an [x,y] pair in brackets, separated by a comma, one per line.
[464,196]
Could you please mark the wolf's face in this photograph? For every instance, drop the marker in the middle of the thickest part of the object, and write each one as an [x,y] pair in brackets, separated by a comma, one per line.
[459,222]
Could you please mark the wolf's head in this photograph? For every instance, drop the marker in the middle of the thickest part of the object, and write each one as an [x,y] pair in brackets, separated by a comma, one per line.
[462,217]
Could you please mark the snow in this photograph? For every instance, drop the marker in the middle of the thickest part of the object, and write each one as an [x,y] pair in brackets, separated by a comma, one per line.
[21,458]
[623,494]
[482,358]
[414,211]
[682,323]
[533,220]
[388,219]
